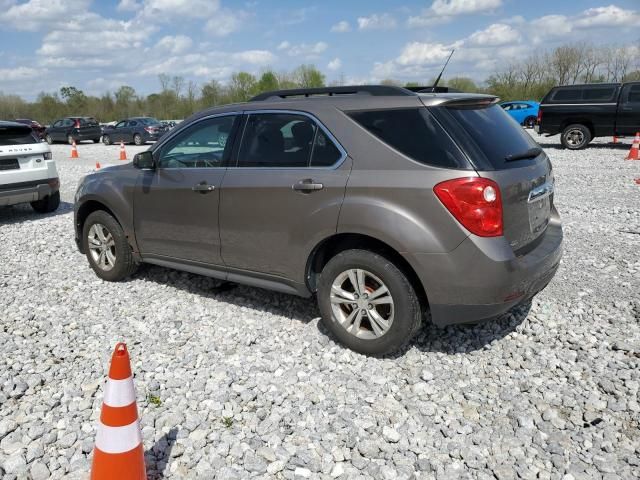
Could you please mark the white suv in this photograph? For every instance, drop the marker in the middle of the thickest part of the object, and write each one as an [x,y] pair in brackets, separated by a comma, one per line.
[27,170]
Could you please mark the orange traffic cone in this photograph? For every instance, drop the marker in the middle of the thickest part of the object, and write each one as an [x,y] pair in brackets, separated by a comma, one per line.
[123,152]
[118,451]
[98,166]
[634,153]
[74,150]
[615,139]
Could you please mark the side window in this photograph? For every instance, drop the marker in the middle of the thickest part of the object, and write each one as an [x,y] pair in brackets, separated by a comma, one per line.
[567,94]
[598,93]
[414,133]
[633,94]
[325,153]
[121,124]
[132,123]
[68,122]
[204,144]
[57,124]
[507,106]
[277,140]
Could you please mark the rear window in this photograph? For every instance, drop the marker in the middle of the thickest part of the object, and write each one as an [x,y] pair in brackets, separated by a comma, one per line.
[487,134]
[88,122]
[16,136]
[413,132]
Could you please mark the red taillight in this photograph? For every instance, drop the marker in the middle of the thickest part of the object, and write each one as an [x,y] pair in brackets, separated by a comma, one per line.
[475,202]
[539,120]
[149,129]
[77,125]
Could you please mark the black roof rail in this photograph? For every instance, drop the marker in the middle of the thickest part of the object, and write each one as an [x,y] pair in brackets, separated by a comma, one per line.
[373,90]
[437,89]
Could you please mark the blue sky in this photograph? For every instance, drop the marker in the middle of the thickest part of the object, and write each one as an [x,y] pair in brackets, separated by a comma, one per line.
[102,44]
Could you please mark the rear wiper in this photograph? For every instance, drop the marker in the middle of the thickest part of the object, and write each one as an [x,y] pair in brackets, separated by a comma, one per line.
[531,153]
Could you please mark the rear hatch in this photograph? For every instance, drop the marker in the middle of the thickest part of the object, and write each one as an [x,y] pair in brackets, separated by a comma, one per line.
[504,152]
[21,155]
[88,126]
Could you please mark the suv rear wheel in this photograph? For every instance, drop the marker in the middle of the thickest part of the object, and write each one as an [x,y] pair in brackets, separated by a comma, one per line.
[368,303]
[106,247]
[575,137]
[48,204]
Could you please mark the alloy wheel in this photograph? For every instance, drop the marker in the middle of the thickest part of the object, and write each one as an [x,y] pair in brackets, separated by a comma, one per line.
[362,304]
[102,247]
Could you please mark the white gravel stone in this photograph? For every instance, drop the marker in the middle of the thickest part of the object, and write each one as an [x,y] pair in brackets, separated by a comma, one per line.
[245,383]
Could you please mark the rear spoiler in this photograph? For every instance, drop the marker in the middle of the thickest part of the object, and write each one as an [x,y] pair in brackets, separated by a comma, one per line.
[470,102]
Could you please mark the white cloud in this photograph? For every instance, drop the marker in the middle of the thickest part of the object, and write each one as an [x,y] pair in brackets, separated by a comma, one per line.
[128,6]
[376,21]
[36,14]
[179,9]
[175,44]
[463,7]
[334,64]
[255,57]
[417,53]
[494,36]
[304,50]
[224,22]
[442,11]
[19,73]
[550,26]
[341,27]
[608,16]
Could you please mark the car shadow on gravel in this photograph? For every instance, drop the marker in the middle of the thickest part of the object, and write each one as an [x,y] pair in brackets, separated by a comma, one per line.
[596,146]
[157,457]
[22,213]
[267,301]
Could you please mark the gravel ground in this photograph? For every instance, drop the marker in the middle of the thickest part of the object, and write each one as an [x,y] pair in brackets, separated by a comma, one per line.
[245,383]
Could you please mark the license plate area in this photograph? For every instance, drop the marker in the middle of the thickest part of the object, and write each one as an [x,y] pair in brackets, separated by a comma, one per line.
[539,212]
[9,164]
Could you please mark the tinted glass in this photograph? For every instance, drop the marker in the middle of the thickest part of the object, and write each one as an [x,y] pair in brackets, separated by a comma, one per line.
[121,124]
[68,122]
[16,136]
[325,153]
[148,121]
[203,145]
[88,122]
[493,132]
[633,95]
[277,140]
[132,123]
[567,94]
[413,132]
[598,93]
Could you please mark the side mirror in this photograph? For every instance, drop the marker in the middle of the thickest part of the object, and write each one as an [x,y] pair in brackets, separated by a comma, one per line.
[144,161]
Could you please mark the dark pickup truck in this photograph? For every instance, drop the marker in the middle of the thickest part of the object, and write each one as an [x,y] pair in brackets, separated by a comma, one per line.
[580,113]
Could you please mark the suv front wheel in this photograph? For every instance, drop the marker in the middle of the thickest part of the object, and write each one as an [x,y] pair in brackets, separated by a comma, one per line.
[107,248]
[368,303]
[575,137]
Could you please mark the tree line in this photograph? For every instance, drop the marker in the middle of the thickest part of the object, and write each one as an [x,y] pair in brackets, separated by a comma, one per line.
[529,78]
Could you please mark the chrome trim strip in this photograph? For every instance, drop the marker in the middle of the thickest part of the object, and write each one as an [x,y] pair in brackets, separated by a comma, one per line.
[540,192]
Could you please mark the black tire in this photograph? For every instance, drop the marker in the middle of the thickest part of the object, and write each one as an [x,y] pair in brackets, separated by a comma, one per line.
[96,140]
[137,139]
[49,139]
[407,313]
[529,122]
[70,139]
[106,139]
[124,264]
[575,137]
[48,204]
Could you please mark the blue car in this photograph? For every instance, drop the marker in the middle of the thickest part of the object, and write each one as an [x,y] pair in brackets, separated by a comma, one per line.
[524,112]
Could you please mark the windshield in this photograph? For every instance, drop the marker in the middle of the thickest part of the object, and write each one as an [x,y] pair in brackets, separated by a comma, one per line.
[16,136]
[489,135]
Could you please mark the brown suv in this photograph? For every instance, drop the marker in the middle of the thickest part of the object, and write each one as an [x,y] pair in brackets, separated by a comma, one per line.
[382,202]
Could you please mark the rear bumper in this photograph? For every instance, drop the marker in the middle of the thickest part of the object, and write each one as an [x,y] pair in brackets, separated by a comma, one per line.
[28,191]
[482,278]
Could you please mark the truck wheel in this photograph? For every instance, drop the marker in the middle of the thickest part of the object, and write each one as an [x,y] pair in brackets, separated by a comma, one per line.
[48,204]
[368,303]
[529,122]
[575,137]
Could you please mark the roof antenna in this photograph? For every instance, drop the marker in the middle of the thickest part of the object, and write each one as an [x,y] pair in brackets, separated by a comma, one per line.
[435,84]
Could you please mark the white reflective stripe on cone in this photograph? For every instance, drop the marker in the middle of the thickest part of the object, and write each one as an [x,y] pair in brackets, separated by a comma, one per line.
[119,393]
[118,439]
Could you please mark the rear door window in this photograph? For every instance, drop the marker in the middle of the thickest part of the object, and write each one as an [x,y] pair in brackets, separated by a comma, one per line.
[413,132]
[16,136]
[487,134]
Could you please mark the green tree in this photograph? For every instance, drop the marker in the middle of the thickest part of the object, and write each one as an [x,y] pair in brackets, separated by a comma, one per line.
[241,86]
[268,81]
[308,76]
[463,84]
[211,94]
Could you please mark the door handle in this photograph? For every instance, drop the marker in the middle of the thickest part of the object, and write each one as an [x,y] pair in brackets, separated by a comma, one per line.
[307,185]
[203,188]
